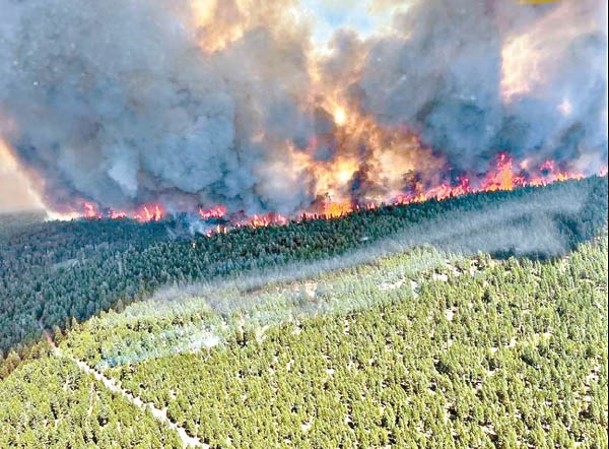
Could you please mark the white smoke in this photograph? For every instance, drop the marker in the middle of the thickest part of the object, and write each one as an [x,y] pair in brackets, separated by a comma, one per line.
[258,298]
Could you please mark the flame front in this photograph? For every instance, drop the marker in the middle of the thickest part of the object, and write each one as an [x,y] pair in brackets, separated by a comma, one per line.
[145,214]
[505,176]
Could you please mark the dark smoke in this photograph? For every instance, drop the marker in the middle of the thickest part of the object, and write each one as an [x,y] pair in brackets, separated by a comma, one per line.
[116,102]
[440,73]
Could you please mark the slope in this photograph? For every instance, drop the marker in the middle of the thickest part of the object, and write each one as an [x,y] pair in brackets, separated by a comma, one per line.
[53,272]
[420,349]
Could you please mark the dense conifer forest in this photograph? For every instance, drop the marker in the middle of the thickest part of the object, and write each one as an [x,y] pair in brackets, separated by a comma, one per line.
[54,272]
[316,224]
[479,321]
[422,349]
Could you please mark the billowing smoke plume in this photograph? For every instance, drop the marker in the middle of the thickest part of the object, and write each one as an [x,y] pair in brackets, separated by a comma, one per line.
[474,77]
[229,102]
[116,101]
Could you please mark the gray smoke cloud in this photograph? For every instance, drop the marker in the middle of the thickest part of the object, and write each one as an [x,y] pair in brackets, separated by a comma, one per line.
[442,68]
[116,102]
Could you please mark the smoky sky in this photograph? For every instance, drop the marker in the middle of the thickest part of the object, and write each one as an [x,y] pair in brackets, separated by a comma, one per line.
[117,101]
[440,72]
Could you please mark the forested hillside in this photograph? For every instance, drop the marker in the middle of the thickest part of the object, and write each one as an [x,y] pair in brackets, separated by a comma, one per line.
[51,272]
[58,406]
[423,349]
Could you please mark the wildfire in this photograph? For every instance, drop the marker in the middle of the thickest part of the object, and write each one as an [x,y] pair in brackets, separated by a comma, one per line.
[358,150]
[218,229]
[220,23]
[503,177]
[213,213]
[249,102]
[118,215]
[506,175]
[153,212]
[262,221]
[335,210]
[91,211]
[520,61]
[340,116]
[145,214]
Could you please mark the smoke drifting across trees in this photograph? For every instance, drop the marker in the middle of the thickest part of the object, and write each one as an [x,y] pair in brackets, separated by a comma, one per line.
[55,271]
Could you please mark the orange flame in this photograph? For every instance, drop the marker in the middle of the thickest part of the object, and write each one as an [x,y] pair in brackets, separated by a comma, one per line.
[118,214]
[91,211]
[213,213]
[145,214]
[218,229]
[262,221]
[505,176]
[336,210]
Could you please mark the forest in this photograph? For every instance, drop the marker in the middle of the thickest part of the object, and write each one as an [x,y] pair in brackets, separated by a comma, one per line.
[307,224]
[423,349]
[53,273]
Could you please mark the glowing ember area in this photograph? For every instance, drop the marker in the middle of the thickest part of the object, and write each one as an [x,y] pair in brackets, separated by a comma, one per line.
[506,175]
[213,213]
[150,213]
[441,192]
[335,210]
[118,215]
[218,229]
[145,214]
[503,177]
[91,211]
[261,221]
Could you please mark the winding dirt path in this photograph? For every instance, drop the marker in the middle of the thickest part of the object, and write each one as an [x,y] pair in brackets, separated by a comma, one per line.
[113,386]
